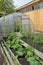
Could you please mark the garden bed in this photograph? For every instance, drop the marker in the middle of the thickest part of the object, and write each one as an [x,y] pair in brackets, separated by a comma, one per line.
[23,54]
[35,40]
[36,46]
[22,60]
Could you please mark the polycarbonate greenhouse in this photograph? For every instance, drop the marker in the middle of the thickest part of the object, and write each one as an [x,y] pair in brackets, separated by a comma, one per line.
[7,23]
[23,46]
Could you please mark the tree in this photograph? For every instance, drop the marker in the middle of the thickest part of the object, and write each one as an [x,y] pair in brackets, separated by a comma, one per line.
[7,6]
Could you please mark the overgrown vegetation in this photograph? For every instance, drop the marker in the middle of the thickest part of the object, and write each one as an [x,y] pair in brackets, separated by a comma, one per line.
[37,38]
[14,42]
[31,57]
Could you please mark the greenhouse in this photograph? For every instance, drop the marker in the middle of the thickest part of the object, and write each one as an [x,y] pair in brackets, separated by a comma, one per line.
[19,44]
[21,33]
[8,23]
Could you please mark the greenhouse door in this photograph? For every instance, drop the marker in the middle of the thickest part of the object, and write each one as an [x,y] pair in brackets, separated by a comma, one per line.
[25,24]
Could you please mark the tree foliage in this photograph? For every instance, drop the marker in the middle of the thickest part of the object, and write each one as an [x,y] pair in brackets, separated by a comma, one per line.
[6,6]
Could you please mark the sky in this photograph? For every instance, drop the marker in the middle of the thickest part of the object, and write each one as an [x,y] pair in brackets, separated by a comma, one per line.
[19,3]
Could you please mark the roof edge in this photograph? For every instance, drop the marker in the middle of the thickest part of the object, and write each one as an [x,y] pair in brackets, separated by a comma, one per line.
[28,4]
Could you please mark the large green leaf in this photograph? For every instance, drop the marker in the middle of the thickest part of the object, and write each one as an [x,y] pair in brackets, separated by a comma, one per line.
[20,52]
[30,49]
[32,61]
[41,61]
[36,57]
[16,46]
[11,36]
[29,54]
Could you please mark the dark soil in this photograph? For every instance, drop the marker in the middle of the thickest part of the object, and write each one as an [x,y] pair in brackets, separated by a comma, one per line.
[36,46]
[5,38]
[25,39]
[23,61]
[2,60]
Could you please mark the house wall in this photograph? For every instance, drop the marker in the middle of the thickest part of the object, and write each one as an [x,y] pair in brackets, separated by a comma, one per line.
[36,16]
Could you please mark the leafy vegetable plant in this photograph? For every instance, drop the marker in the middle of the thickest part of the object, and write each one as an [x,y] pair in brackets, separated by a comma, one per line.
[31,57]
[33,61]
[14,42]
[11,36]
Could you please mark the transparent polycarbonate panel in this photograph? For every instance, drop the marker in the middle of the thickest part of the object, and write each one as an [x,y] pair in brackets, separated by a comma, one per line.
[7,23]
[25,28]
[25,21]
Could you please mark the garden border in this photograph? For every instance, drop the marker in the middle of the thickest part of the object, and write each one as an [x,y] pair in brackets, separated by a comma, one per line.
[38,53]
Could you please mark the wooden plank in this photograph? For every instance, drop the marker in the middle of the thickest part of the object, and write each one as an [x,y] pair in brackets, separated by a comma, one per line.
[15,60]
[38,53]
[4,56]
